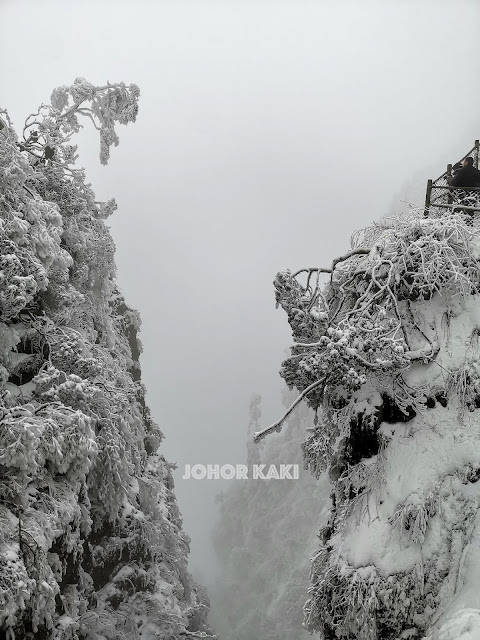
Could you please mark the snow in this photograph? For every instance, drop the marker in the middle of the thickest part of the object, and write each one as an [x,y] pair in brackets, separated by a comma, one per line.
[428,456]
[452,323]
[464,625]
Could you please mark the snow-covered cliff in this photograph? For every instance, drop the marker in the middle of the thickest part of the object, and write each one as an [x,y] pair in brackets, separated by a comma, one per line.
[387,353]
[91,538]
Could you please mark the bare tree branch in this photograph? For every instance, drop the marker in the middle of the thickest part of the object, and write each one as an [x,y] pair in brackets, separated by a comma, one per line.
[354,252]
[276,426]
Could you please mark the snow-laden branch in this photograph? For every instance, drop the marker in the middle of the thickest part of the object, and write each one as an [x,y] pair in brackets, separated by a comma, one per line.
[356,327]
[311,270]
[55,123]
[276,426]
[425,354]
[350,254]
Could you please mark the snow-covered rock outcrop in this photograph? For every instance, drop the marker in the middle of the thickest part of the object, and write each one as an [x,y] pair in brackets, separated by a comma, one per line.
[387,352]
[91,539]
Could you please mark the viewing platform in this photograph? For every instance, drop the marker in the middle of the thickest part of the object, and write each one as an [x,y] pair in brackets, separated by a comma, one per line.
[441,197]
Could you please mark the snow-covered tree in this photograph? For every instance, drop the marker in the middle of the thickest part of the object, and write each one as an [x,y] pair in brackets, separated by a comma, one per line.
[265,538]
[387,354]
[91,539]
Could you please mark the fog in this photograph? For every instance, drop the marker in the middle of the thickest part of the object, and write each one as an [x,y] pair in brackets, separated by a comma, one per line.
[268,132]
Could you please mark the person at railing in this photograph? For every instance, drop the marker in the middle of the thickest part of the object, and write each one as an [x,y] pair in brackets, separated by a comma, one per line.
[466,175]
[464,184]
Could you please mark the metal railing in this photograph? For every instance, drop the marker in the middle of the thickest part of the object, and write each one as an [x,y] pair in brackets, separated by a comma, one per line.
[440,196]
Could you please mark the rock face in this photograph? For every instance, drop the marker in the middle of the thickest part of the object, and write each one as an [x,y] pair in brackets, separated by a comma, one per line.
[91,539]
[389,348]
[265,538]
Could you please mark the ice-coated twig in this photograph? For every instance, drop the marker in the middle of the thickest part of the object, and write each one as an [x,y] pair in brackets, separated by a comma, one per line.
[277,426]
[353,252]
[311,270]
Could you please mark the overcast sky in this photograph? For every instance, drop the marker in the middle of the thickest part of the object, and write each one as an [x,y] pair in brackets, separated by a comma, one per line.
[268,131]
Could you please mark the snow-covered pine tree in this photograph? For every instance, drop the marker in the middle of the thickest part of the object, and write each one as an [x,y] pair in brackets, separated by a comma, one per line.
[387,352]
[91,539]
[265,538]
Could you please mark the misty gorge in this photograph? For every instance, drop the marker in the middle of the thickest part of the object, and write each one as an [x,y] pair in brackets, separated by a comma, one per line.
[240,349]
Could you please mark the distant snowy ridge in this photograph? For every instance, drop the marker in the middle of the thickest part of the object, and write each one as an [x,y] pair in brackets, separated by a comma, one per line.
[91,539]
[388,350]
